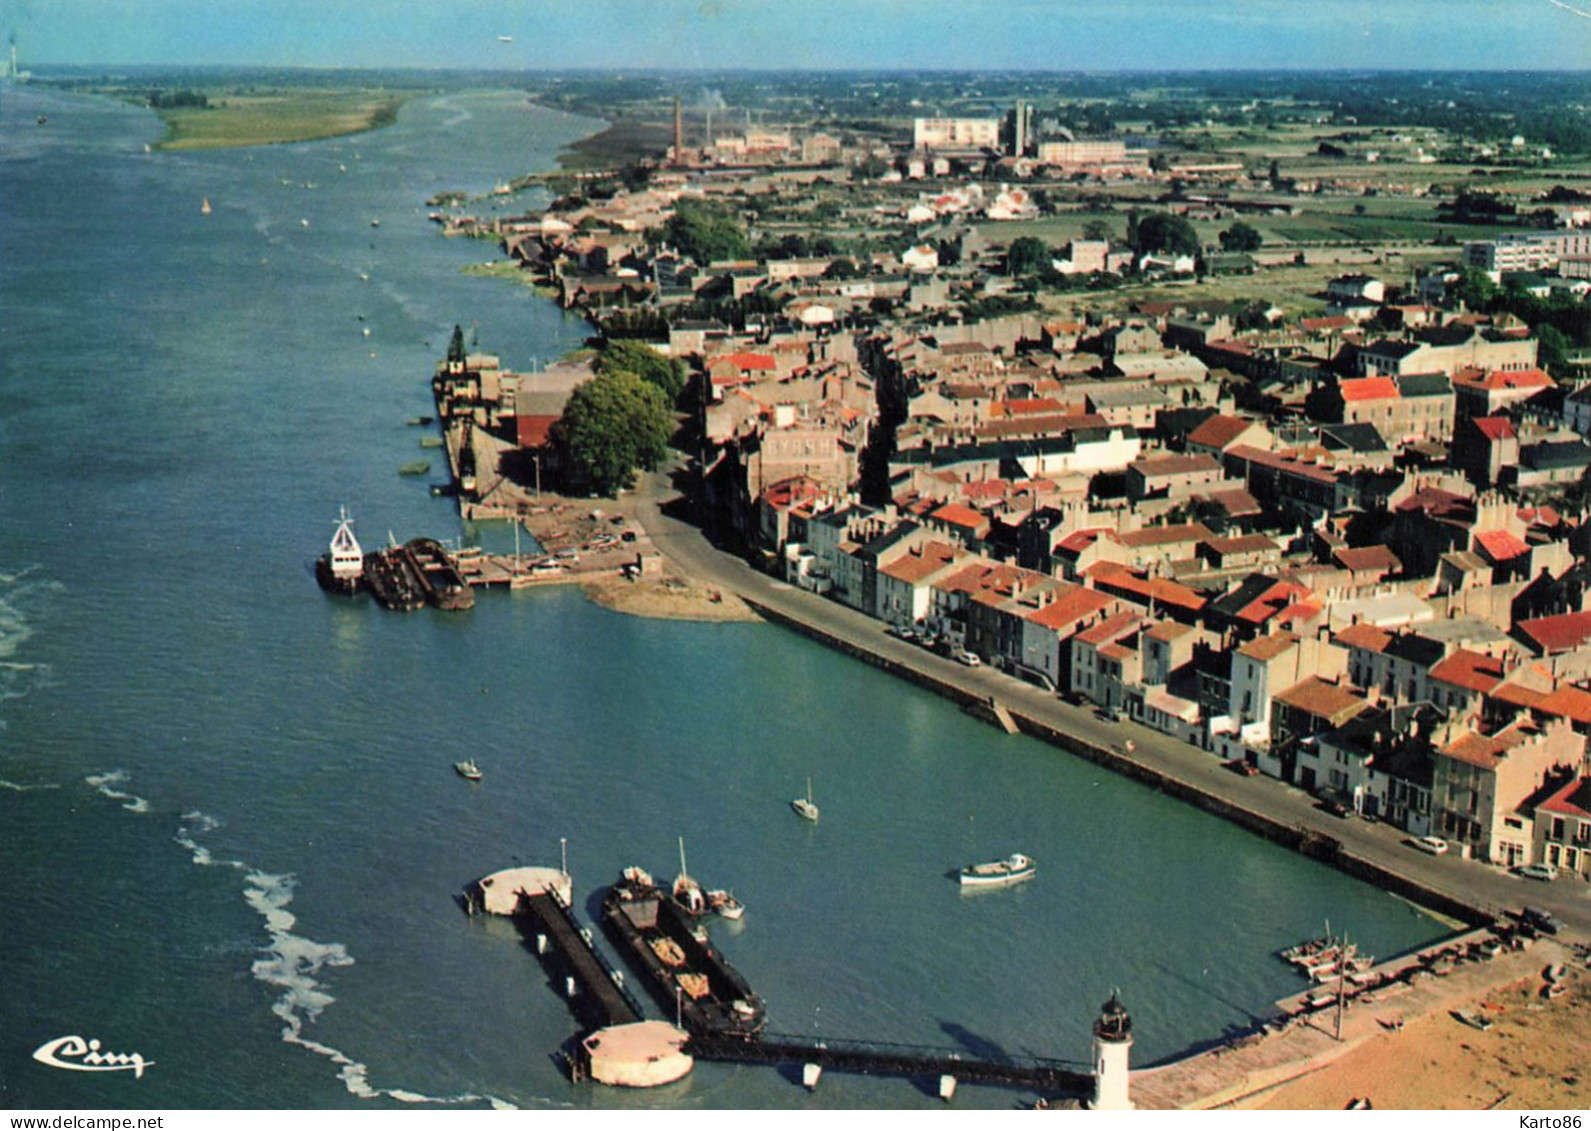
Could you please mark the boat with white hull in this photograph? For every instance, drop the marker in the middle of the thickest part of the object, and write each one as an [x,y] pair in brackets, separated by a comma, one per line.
[1013,869]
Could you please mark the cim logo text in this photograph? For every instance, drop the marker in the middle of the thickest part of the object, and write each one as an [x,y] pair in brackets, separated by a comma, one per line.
[77,1055]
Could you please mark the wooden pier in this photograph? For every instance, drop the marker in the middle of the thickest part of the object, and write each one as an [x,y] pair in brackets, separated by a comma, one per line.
[594,990]
[1057,1079]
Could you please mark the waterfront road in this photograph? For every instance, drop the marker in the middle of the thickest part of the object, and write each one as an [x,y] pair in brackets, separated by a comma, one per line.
[1182,767]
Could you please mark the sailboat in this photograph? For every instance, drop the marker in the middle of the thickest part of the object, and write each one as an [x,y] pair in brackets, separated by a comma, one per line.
[803,805]
[687,892]
[204,208]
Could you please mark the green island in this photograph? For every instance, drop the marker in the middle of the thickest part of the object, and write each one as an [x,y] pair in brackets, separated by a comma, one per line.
[276,117]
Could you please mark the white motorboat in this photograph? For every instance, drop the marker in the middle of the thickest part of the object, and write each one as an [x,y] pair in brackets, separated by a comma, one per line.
[1012,869]
[468,770]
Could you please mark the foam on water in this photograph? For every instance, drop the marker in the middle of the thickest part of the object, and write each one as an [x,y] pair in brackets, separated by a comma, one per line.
[104,784]
[21,594]
[20,787]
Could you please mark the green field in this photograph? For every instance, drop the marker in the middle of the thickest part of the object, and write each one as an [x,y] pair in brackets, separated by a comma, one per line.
[274,118]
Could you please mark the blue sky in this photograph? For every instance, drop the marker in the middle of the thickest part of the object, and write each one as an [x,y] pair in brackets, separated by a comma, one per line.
[810,34]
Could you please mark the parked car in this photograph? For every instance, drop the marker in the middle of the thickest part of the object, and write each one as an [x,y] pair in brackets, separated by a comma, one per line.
[1539,919]
[1431,845]
[1334,807]
[1546,872]
[968,658]
[1242,766]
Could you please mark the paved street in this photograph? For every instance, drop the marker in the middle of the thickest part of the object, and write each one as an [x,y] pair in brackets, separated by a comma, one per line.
[1473,884]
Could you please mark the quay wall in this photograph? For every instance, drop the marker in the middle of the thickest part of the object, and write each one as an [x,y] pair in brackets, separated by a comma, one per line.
[1313,844]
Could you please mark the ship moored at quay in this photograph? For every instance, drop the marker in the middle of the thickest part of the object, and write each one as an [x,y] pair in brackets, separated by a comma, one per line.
[402,576]
[686,972]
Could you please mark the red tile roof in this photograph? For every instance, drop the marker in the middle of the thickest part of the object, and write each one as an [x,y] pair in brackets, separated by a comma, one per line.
[1504,379]
[1516,695]
[533,431]
[1494,428]
[1368,389]
[1076,604]
[1473,671]
[955,514]
[1572,703]
[1168,535]
[1145,590]
[1562,633]
[1219,431]
[1111,628]
[1368,557]
[1323,699]
[1500,546]
[1573,800]
[1365,636]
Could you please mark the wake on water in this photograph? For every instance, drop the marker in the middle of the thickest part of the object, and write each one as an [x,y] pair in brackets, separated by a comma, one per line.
[290,961]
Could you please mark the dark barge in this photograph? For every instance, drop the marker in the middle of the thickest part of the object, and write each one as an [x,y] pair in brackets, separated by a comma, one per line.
[686,973]
[445,586]
[419,572]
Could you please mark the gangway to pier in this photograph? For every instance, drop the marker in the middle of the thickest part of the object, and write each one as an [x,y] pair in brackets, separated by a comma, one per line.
[598,998]
[1056,1078]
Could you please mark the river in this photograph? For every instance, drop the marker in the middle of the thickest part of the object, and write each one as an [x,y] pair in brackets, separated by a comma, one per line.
[230,829]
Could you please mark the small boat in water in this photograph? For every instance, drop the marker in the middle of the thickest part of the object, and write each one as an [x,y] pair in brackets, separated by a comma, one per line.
[687,892]
[416,467]
[1012,869]
[725,905]
[204,206]
[468,770]
[803,805]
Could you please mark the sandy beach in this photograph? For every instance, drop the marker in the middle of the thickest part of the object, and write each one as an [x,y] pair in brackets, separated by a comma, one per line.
[1535,1056]
[669,598]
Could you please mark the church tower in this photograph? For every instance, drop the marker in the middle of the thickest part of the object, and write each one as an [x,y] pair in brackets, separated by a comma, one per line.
[1112,1046]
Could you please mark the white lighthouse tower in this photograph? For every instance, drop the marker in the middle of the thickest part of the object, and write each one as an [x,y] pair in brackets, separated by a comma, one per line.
[1112,1046]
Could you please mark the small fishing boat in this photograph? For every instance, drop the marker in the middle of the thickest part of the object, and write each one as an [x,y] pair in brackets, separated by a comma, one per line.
[421,420]
[468,770]
[416,467]
[725,905]
[1012,869]
[431,441]
[804,807]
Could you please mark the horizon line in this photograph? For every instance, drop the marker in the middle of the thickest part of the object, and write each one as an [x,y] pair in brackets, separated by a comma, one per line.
[38,67]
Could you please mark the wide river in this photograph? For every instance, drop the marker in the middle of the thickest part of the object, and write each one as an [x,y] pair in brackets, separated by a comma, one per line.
[230,833]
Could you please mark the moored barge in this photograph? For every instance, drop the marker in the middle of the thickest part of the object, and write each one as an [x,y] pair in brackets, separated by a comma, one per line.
[444,585]
[686,972]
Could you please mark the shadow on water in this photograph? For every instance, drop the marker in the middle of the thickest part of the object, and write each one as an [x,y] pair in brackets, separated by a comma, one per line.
[981,1047]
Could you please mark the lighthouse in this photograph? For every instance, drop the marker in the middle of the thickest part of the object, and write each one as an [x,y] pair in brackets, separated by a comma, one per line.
[1112,1046]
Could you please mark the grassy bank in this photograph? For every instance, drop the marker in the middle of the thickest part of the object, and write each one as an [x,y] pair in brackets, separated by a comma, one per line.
[624,142]
[278,117]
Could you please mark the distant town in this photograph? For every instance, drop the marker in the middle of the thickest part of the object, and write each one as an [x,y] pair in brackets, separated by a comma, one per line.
[1261,424]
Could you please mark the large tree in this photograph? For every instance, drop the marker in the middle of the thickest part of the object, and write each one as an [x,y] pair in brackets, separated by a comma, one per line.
[1163,231]
[706,233]
[1241,237]
[1028,255]
[629,356]
[612,425]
